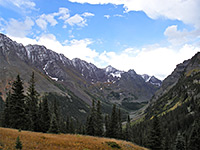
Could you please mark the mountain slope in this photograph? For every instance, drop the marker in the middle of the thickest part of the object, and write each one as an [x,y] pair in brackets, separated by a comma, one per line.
[186,86]
[177,107]
[56,73]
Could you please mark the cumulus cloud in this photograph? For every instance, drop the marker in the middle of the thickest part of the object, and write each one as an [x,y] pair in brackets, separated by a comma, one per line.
[107,16]
[71,49]
[44,19]
[79,20]
[19,28]
[87,14]
[63,14]
[177,37]
[22,5]
[118,15]
[76,20]
[153,60]
[183,10]
[158,61]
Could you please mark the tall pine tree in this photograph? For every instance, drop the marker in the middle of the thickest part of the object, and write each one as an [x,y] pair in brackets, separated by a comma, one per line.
[32,101]
[45,116]
[128,129]
[18,116]
[7,110]
[91,121]
[155,139]
[194,141]
[99,120]
[120,134]
[113,123]
[180,142]
[55,119]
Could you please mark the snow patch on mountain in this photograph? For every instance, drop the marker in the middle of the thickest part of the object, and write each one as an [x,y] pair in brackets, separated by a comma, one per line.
[110,69]
[116,74]
[151,79]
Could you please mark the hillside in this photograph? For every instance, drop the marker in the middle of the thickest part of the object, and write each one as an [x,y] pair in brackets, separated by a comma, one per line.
[41,141]
[74,80]
[185,87]
[176,107]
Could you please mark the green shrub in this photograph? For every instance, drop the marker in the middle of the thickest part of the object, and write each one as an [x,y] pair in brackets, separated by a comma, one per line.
[113,145]
[18,144]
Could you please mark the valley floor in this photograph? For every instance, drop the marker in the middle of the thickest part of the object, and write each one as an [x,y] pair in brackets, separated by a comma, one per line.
[41,141]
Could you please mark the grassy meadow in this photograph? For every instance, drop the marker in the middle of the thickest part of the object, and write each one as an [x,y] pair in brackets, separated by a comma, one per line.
[41,141]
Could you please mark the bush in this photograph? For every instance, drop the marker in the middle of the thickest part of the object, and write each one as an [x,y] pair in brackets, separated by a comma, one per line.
[113,145]
[18,144]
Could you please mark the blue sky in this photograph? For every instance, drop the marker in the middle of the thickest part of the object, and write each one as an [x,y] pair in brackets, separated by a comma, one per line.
[149,37]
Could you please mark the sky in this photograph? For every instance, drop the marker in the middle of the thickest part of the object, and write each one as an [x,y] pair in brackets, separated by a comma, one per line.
[149,36]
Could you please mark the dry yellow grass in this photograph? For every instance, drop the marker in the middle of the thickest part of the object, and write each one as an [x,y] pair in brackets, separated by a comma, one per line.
[41,141]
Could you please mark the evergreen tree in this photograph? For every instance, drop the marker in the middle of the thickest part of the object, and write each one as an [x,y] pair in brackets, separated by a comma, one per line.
[155,139]
[120,134]
[180,142]
[57,113]
[99,120]
[55,119]
[113,124]
[167,141]
[45,116]
[71,126]
[18,144]
[194,141]
[32,101]
[107,126]
[91,121]
[67,125]
[18,114]
[53,125]
[40,121]
[128,129]
[7,110]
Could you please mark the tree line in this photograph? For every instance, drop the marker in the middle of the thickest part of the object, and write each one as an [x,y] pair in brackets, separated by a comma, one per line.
[31,112]
[177,129]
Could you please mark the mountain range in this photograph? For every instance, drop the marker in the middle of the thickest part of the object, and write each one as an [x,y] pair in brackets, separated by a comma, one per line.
[76,80]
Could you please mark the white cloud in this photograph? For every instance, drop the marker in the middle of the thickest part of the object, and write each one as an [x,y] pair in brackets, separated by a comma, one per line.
[71,49]
[19,28]
[118,15]
[177,37]
[44,19]
[22,5]
[42,23]
[87,14]
[158,61]
[183,10]
[76,20]
[107,16]
[63,14]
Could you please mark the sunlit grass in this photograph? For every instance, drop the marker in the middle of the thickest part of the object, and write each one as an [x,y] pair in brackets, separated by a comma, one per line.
[41,141]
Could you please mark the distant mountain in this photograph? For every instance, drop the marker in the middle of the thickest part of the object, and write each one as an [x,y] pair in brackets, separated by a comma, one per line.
[151,79]
[74,78]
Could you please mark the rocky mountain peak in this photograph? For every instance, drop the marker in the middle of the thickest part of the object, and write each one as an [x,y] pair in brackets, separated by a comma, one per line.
[151,79]
[110,69]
